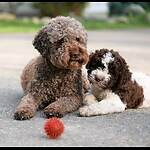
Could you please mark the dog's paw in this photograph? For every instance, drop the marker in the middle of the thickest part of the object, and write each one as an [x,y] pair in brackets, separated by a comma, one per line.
[52,113]
[84,111]
[23,114]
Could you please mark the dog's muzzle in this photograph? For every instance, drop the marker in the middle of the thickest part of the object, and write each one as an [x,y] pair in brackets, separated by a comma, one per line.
[78,55]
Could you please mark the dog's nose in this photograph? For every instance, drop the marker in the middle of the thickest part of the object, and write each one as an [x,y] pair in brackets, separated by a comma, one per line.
[75,55]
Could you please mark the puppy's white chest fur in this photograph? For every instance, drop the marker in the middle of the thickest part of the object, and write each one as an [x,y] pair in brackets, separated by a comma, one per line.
[106,102]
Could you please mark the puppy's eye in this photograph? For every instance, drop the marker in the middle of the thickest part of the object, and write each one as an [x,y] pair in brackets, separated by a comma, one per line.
[77,39]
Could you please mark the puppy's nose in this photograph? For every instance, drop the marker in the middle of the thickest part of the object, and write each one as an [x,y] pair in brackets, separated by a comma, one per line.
[99,78]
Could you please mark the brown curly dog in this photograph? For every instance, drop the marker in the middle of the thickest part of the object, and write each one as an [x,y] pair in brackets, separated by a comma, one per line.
[53,81]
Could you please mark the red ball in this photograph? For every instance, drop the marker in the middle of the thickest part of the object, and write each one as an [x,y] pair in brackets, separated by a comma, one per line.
[53,127]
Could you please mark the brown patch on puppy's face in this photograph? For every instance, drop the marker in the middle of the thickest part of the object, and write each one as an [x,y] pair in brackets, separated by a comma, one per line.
[98,68]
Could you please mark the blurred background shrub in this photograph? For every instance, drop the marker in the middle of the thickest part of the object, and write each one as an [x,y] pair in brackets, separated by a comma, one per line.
[30,16]
[54,9]
[123,8]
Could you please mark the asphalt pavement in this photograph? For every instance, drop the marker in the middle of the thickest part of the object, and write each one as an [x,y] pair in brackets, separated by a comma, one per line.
[130,128]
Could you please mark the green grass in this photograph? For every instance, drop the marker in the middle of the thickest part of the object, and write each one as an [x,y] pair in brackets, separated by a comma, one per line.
[90,25]
[19,26]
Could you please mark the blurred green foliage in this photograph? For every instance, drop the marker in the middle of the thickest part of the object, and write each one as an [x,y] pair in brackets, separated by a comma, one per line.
[53,9]
[16,26]
[118,8]
[145,5]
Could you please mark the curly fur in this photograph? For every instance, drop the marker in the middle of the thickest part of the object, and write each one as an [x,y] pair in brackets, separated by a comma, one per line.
[53,81]
[120,77]
[111,76]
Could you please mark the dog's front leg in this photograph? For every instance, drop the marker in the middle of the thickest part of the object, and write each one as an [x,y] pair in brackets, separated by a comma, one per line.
[26,108]
[62,106]
[110,104]
[89,99]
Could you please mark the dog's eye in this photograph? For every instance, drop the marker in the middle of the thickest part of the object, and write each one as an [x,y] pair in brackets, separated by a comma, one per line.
[61,40]
[65,39]
[77,39]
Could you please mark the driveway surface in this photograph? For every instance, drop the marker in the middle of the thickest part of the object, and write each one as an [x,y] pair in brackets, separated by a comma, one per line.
[130,128]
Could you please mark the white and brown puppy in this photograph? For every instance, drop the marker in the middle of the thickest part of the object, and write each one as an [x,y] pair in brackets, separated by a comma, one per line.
[113,88]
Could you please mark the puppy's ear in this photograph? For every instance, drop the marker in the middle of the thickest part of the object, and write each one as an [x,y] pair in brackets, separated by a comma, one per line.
[41,42]
[119,70]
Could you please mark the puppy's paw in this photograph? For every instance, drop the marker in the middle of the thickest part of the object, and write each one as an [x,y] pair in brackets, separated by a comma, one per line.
[49,113]
[23,114]
[84,111]
[89,99]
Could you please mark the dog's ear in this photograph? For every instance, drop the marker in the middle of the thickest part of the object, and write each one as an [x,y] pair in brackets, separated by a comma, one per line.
[119,70]
[41,42]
